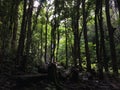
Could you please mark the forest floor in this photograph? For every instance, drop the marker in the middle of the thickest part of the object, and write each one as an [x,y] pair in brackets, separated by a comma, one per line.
[44,84]
[68,85]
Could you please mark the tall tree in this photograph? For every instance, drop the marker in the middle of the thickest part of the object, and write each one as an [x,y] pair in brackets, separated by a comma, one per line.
[20,49]
[41,38]
[29,25]
[53,40]
[29,32]
[104,61]
[85,36]
[99,46]
[58,42]
[54,24]
[15,25]
[66,44]
[46,33]
[111,38]
[76,32]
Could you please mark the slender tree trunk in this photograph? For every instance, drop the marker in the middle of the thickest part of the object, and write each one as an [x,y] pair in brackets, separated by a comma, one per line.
[15,28]
[104,61]
[80,60]
[41,38]
[53,35]
[111,38]
[46,31]
[66,45]
[14,24]
[53,42]
[75,27]
[85,37]
[100,19]
[29,32]
[22,36]
[100,70]
[98,15]
[58,40]
[79,35]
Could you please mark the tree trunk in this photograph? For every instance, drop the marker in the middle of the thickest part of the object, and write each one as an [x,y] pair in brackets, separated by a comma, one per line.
[41,38]
[46,31]
[80,60]
[29,32]
[22,37]
[75,27]
[85,37]
[53,42]
[104,61]
[66,44]
[53,34]
[100,70]
[58,40]
[15,28]
[111,38]
[14,24]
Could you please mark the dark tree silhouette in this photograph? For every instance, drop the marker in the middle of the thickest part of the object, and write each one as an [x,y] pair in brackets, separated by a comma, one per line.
[85,36]
[100,69]
[29,25]
[111,38]
[75,27]
[22,37]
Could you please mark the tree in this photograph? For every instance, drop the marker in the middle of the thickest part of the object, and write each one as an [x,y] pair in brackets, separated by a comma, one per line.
[54,25]
[104,61]
[75,27]
[66,46]
[29,25]
[111,38]
[97,36]
[46,31]
[20,49]
[87,54]
[14,24]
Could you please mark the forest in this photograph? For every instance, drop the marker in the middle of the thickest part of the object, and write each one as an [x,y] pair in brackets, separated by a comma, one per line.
[59,44]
